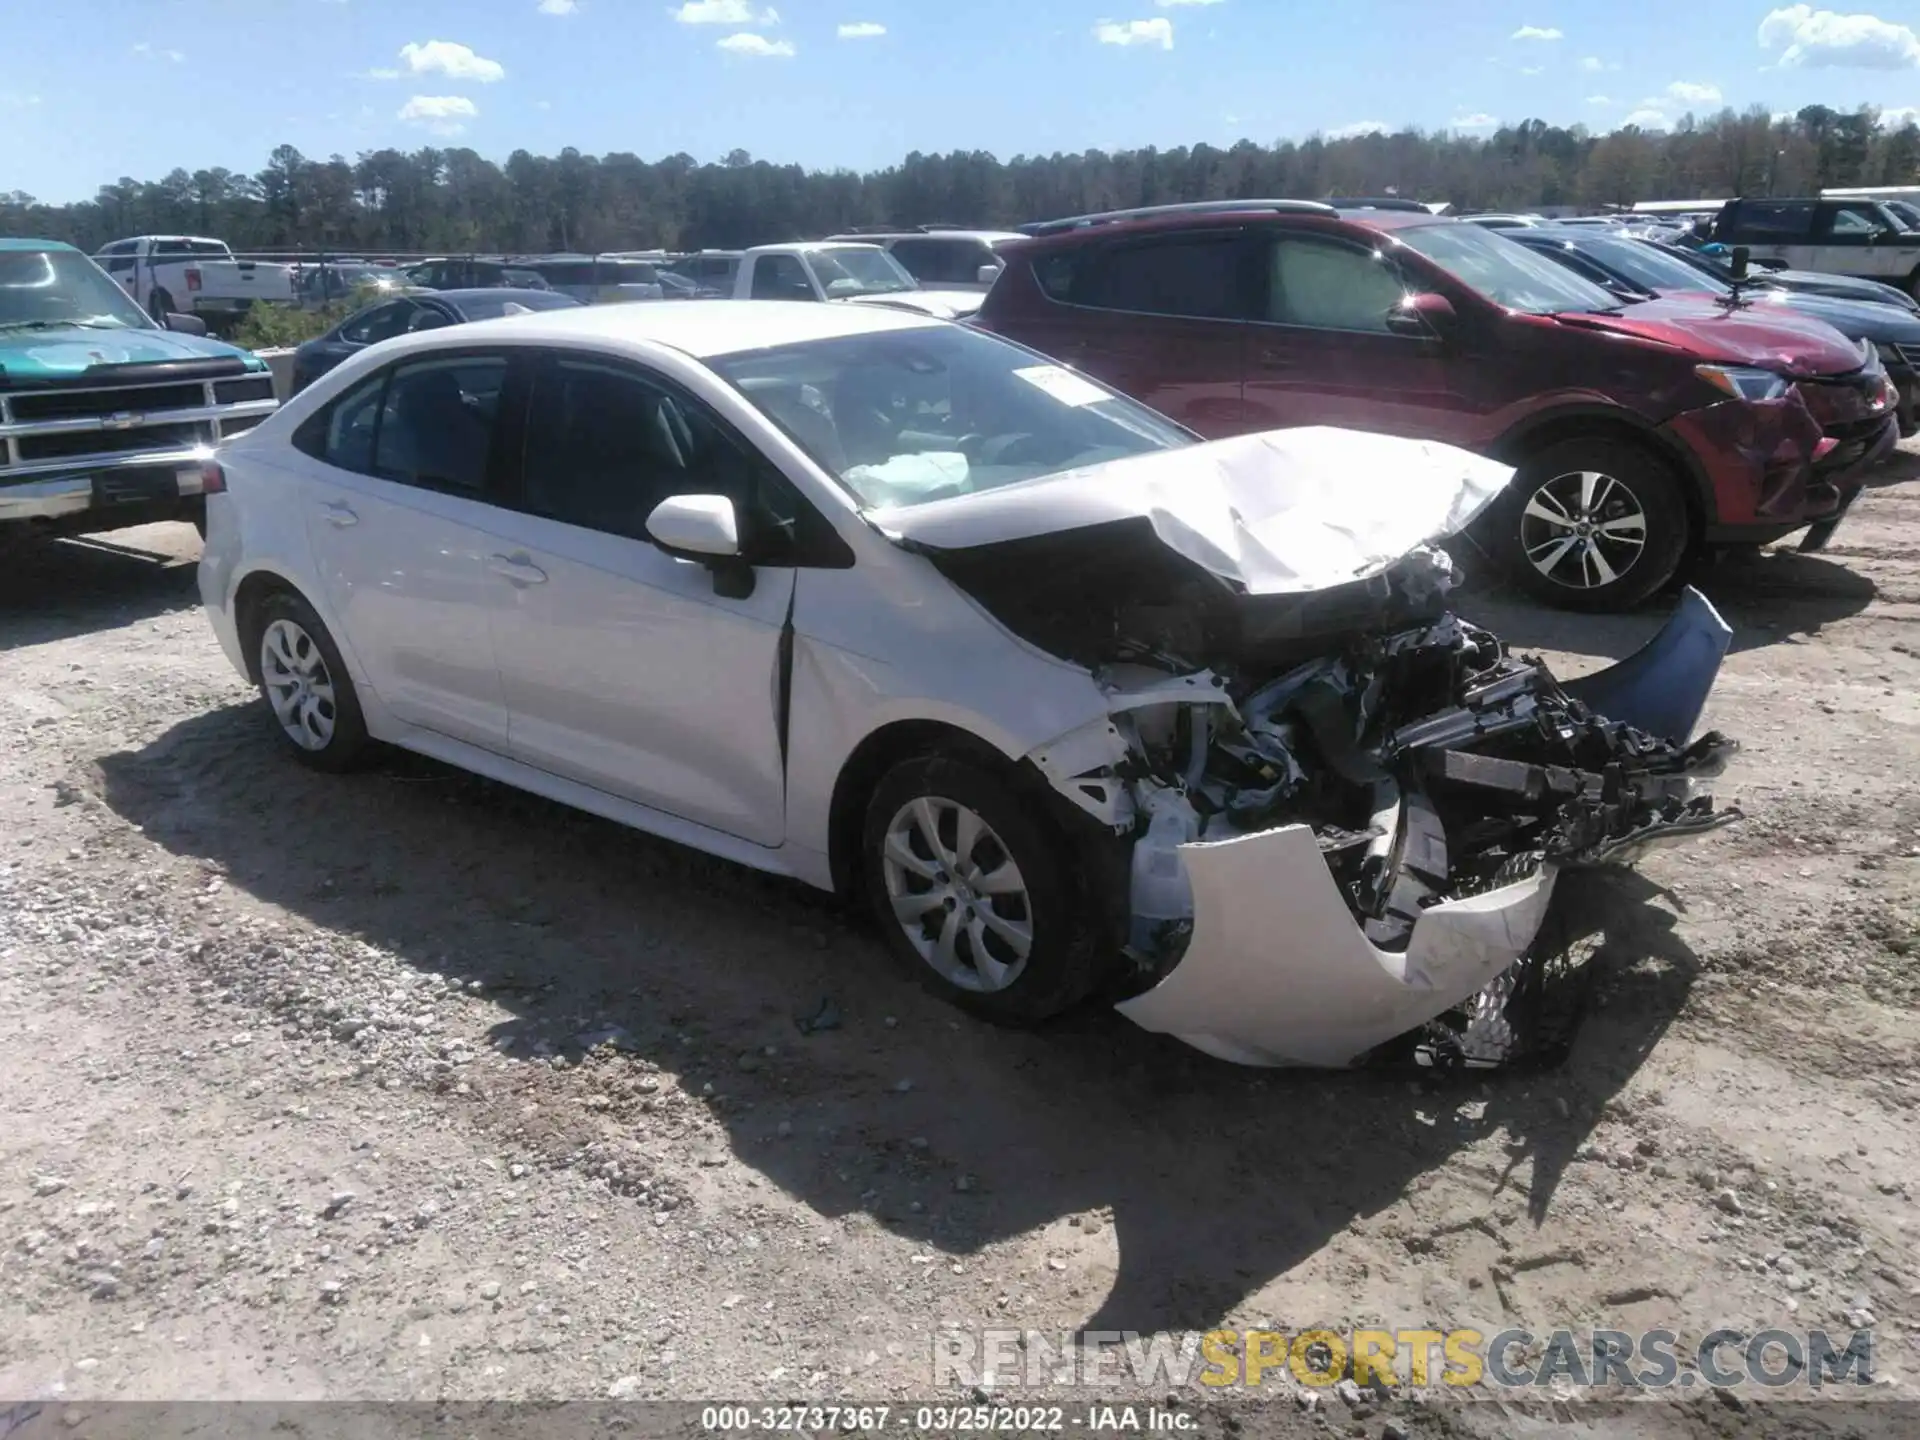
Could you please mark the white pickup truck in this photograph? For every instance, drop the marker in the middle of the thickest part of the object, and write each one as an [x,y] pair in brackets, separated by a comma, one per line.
[835,270]
[190,275]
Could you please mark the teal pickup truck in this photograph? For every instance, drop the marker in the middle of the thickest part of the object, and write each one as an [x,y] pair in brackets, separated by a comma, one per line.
[107,418]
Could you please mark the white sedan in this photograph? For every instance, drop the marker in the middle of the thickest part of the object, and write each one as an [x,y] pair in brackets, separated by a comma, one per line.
[1080,703]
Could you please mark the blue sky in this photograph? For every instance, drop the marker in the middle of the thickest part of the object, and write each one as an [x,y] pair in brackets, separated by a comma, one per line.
[136,87]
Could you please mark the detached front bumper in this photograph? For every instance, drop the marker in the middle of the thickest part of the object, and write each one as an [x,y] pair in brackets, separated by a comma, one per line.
[1277,973]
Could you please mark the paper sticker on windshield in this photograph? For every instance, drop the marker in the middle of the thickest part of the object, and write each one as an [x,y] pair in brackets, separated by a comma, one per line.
[1063,385]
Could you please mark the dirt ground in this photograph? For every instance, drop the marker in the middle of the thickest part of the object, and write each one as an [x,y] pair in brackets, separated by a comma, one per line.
[408,1086]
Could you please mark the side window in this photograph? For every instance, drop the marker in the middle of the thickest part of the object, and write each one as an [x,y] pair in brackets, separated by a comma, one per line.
[921,258]
[1330,286]
[383,322]
[942,262]
[426,318]
[436,423]
[1777,222]
[780,277]
[343,433]
[1850,222]
[1197,277]
[1055,274]
[605,445]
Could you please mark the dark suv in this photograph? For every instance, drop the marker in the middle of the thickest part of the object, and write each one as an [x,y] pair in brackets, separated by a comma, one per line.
[1638,432]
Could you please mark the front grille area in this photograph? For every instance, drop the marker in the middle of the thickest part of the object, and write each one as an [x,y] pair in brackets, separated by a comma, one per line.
[91,404]
[66,429]
[112,442]
[234,392]
[1909,355]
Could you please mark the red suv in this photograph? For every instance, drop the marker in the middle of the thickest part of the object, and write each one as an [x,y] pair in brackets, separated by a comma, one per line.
[1639,432]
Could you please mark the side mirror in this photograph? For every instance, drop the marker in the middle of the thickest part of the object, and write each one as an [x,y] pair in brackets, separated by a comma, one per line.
[186,324]
[986,274]
[1425,316]
[1738,261]
[704,528]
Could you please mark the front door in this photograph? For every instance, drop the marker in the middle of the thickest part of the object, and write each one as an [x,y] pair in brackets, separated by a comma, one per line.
[1324,352]
[624,668]
[401,517]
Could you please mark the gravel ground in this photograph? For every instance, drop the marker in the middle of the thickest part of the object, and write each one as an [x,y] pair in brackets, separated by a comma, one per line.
[408,1086]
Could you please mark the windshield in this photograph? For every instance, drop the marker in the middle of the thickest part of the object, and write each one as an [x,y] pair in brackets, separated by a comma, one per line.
[1505,271]
[861,270]
[62,287]
[1647,267]
[904,417]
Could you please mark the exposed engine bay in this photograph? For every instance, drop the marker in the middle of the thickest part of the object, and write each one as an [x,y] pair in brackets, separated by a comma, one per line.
[1340,810]
[1427,762]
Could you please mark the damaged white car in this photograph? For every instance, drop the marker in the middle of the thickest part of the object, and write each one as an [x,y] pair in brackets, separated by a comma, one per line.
[1081,704]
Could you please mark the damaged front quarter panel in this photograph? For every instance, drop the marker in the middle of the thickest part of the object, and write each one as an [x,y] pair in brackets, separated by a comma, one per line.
[1367,845]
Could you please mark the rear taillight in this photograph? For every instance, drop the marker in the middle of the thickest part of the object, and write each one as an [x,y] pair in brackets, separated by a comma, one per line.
[213,480]
[193,278]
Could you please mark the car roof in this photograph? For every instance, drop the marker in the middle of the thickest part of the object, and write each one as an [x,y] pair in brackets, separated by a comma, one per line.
[7,244]
[491,292]
[704,331]
[869,237]
[1198,217]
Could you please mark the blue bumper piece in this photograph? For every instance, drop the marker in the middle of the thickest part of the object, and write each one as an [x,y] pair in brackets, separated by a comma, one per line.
[1663,686]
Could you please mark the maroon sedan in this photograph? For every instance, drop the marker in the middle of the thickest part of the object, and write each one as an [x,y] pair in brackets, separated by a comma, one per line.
[1639,433]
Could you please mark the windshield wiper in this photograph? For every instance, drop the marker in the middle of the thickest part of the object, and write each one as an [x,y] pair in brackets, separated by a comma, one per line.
[101,323]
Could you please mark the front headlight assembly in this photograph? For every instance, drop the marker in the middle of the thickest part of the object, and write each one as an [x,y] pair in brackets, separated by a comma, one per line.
[1743,383]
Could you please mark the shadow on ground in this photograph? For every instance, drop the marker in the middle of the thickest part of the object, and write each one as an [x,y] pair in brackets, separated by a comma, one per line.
[1218,1179]
[52,590]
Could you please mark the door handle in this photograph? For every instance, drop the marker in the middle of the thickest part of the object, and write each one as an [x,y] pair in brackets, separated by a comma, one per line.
[516,568]
[339,514]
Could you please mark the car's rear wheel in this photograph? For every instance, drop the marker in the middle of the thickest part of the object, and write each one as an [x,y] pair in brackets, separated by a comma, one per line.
[306,685]
[1592,525]
[968,886]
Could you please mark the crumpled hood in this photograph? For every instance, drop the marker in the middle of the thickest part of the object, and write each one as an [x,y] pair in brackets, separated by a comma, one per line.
[1278,513]
[941,304]
[1769,338]
[38,356]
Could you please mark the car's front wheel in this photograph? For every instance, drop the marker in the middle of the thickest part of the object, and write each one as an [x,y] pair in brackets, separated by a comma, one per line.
[306,685]
[972,892]
[1592,525]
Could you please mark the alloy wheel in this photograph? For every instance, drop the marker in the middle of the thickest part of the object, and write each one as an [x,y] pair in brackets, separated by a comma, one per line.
[299,687]
[1583,529]
[958,895]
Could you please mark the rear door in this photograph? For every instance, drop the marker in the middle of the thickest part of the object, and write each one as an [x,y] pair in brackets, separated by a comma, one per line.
[1161,318]
[1323,353]
[404,525]
[1772,230]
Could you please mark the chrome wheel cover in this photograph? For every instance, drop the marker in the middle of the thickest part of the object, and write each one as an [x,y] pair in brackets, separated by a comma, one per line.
[958,896]
[299,686]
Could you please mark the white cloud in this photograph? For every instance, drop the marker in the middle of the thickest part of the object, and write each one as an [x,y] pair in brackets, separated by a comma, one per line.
[451,59]
[861,30]
[1533,69]
[19,102]
[1814,38]
[747,43]
[442,114]
[1895,116]
[176,56]
[725,12]
[1169,4]
[1357,128]
[558,7]
[1646,119]
[383,74]
[1599,99]
[1157,31]
[1479,120]
[140,47]
[1689,93]
[1536,32]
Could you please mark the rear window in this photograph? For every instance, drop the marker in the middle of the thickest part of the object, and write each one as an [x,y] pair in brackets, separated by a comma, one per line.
[1196,276]
[189,247]
[942,262]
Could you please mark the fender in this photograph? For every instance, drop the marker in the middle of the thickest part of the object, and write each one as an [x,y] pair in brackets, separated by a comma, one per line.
[1544,426]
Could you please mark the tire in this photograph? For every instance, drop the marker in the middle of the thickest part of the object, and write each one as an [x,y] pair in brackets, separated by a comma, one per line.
[912,890]
[1578,568]
[306,686]
[160,305]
